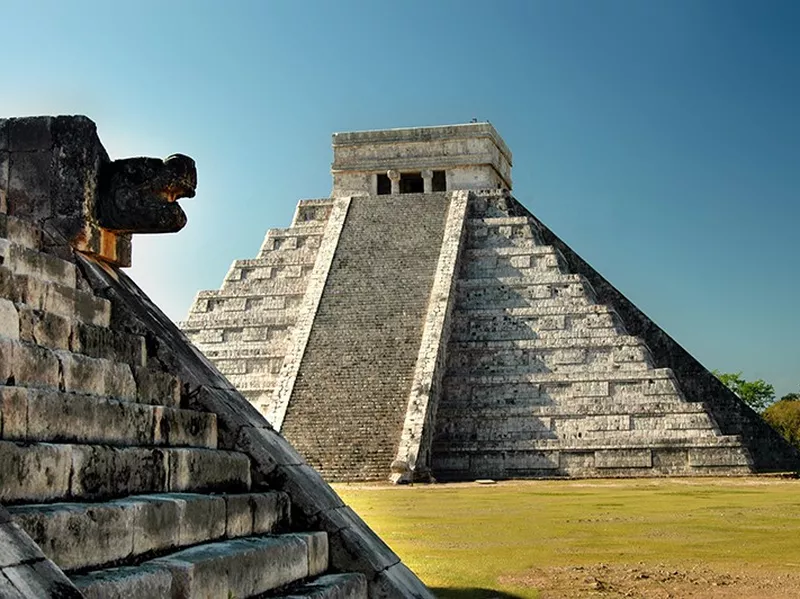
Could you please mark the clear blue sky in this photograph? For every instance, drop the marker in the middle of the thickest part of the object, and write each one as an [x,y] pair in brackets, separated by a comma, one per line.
[660,139]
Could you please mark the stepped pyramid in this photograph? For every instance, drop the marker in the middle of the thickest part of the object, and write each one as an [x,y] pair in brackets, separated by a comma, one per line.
[421,323]
[129,466]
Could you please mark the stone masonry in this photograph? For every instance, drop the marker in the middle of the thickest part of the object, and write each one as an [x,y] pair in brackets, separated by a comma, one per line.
[129,466]
[445,332]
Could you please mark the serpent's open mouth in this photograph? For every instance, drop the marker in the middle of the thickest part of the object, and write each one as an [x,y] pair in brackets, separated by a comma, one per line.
[185,180]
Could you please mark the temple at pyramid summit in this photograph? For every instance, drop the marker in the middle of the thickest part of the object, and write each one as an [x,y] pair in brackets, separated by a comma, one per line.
[421,324]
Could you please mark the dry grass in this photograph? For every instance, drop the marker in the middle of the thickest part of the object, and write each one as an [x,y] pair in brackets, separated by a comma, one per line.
[715,538]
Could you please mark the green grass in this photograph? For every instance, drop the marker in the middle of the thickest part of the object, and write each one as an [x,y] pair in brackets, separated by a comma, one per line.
[470,536]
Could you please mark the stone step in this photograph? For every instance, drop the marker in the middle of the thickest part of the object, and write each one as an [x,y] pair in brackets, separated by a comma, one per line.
[509,251]
[330,586]
[51,416]
[585,407]
[22,260]
[303,256]
[20,232]
[199,321]
[61,300]
[25,364]
[500,325]
[655,375]
[275,344]
[542,278]
[500,221]
[621,427]
[546,344]
[599,360]
[58,332]
[537,297]
[234,351]
[312,213]
[44,472]
[581,444]
[265,289]
[254,285]
[239,568]
[626,461]
[90,535]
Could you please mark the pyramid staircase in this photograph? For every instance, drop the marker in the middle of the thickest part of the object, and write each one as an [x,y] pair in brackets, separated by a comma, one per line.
[119,482]
[542,380]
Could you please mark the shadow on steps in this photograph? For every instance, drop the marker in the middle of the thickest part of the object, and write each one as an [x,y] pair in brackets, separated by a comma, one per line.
[472,594]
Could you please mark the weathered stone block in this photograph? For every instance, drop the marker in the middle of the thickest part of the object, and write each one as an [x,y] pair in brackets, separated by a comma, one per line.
[156,522]
[236,568]
[14,549]
[29,134]
[97,376]
[44,328]
[332,586]
[238,516]
[34,473]
[718,456]
[30,184]
[317,543]
[184,427]
[55,416]
[271,512]
[79,535]
[147,580]
[33,366]
[104,472]
[353,545]
[9,320]
[202,518]
[158,388]
[13,413]
[101,342]
[395,581]
[204,469]
[623,458]
[269,450]
[40,579]
[309,492]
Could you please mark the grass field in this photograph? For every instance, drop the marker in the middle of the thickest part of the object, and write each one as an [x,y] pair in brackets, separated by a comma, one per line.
[719,538]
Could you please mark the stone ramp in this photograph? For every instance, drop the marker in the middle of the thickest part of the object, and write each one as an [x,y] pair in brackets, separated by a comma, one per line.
[543,379]
[350,396]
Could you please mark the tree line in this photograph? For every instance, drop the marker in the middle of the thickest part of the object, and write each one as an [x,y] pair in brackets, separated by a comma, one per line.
[783,415]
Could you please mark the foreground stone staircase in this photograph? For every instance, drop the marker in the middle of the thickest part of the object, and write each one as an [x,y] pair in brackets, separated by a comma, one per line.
[542,380]
[122,488]
[129,466]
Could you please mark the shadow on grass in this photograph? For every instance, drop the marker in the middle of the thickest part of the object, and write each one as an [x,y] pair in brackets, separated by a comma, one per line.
[472,594]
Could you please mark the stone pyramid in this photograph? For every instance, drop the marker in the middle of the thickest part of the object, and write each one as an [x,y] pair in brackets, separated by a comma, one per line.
[422,323]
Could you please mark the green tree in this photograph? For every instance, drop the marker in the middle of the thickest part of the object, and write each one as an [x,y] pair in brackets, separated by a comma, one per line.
[757,394]
[784,416]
